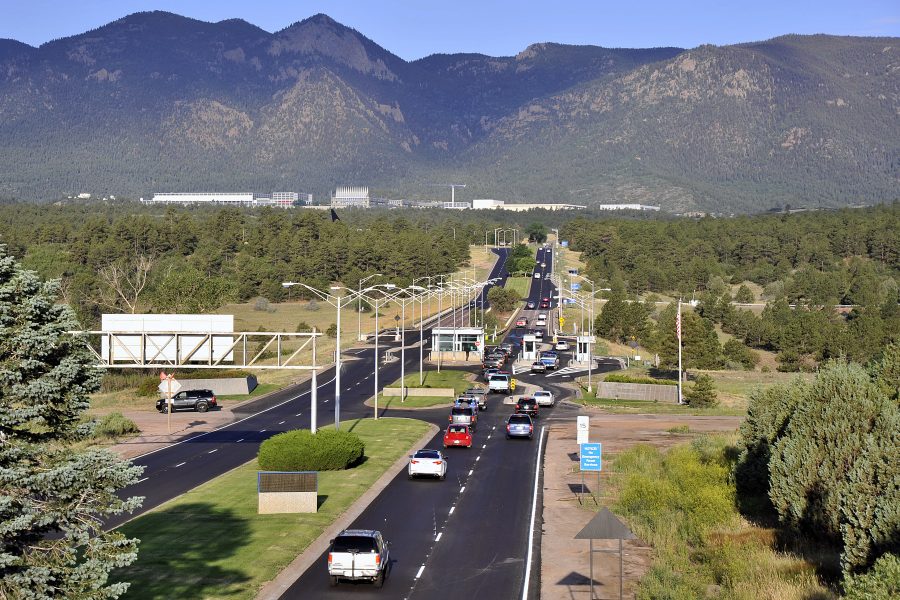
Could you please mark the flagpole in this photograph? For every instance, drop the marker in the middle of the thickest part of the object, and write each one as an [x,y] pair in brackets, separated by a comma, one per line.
[678,336]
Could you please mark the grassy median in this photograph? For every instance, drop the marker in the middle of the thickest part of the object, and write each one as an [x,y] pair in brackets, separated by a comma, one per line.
[211,543]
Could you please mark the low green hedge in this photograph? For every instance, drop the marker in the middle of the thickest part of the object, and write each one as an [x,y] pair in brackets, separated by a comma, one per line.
[614,378]
[301,450]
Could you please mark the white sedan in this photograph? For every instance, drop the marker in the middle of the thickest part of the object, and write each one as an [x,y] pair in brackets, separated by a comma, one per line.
[431,463]
[562,345]
[544,398]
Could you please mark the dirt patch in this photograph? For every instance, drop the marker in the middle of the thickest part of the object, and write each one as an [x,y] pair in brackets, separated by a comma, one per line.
[564,561]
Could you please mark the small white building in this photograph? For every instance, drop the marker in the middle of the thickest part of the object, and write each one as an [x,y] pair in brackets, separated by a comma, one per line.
[457,343]
[229,198]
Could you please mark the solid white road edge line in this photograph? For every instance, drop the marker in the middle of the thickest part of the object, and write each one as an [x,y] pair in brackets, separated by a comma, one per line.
[320,386]
[537,472]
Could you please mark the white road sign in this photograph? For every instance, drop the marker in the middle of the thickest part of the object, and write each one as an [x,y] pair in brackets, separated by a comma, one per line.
[168,387]
[582,429]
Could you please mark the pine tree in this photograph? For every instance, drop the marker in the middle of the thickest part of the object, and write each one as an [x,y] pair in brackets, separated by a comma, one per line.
[703,393]
[53,495]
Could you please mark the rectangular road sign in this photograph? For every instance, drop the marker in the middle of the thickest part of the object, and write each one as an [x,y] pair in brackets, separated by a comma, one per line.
[582,429]
[575,286]
[590,457]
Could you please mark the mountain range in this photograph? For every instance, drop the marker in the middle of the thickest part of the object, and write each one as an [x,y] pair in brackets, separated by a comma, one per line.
[159,102]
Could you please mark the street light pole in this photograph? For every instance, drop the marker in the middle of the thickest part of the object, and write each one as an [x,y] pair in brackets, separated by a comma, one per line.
[337,370]
[314,391]
[376,359]
[359,305]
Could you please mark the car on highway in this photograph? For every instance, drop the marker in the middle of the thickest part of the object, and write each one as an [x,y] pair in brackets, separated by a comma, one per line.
[521,322]
[458,435]
[537,275]
[466,400]
[541,322]
[539,335]
[198,400]
[527,406]
[499,383]
[519,426]
[509,348]
[358,554]
[538,367]
[464,415]
[494,360]
[480,395]
[486,374]
[550,359]
[545,304]
[562,345]
[544,398]
[427,463]
[529,305]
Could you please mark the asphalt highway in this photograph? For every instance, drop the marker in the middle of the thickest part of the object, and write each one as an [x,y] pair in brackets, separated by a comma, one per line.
[176,469]
[467,536]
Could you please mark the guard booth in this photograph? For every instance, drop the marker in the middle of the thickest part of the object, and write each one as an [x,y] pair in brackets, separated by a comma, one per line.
[457,344]
[582,348]
[529,347]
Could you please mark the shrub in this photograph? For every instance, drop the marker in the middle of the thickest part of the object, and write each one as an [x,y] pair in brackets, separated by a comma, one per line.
[312,305]
[149,386]
[881,582]
[301,450]
[303,327]
[736,352]
[262,304]
[115,425]
[703,393]
[616,378]
[331,331]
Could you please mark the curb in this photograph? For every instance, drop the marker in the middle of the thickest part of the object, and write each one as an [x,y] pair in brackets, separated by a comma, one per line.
[291,573]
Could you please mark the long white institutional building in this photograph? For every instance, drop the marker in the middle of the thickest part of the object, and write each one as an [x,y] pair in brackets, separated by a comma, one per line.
[283,199]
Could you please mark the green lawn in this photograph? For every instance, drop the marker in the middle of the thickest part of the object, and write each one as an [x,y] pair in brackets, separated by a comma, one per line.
[447,378]
[413,402]
[521,285]
[661,408]
[211,543]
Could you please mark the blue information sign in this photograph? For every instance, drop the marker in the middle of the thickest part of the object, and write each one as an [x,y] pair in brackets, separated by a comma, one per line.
[590,456]
[576,286]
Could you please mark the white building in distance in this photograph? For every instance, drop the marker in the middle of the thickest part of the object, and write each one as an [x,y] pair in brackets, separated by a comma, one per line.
[486,204]
[348,195]
[280,199]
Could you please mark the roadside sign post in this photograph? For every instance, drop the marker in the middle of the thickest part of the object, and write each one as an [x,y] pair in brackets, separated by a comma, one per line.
[606,526]
[168,386]
[591,461]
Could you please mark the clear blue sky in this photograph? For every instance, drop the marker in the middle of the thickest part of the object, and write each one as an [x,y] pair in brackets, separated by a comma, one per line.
[416,28]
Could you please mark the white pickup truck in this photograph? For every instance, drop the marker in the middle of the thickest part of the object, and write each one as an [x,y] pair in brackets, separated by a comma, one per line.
[501,384]
[358,554]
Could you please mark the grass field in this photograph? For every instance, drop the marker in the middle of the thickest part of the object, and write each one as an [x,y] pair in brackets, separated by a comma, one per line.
[211,543]
[520,285]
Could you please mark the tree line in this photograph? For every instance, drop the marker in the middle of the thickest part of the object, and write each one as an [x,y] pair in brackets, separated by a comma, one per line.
[136,259]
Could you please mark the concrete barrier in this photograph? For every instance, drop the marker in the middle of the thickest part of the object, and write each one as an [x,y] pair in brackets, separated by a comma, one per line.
[638,391]
[417,391]
[227,386]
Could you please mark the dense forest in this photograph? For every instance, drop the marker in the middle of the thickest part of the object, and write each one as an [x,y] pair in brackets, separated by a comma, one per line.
[137,259]
[805,264]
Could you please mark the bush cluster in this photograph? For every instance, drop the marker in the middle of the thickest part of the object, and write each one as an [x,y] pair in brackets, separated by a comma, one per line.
[618,378]
[824,453]
[301,450]
[115,425]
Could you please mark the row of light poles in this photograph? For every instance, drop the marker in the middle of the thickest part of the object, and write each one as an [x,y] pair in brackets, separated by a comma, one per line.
[378,295]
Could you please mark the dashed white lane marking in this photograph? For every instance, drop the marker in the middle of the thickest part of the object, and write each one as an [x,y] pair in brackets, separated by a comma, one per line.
[181,463]
[471,471]
[213,450]
[462,489]
[240,440]
[483,446]
[477,458]
[298,414]
[261,430]
[146,478]
[452,508]
[281,422]
[419,573]
[438,538]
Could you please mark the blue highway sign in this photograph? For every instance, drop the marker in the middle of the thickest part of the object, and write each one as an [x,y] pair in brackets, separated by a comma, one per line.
[590,457]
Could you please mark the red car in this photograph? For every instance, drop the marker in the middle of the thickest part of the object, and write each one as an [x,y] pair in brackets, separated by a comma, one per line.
[545,304]
[458,435]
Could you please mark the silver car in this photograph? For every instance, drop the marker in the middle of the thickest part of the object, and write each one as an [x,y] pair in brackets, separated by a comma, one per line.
[520,426]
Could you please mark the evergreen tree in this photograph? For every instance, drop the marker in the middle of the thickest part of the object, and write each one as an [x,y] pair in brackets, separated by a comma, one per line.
[703,393]
[53,495]
[744,295]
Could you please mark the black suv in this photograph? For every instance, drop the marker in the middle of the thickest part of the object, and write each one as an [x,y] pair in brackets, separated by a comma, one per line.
[527,406]
[199,400]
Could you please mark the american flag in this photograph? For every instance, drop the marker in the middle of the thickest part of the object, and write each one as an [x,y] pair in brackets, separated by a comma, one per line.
[678,323]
